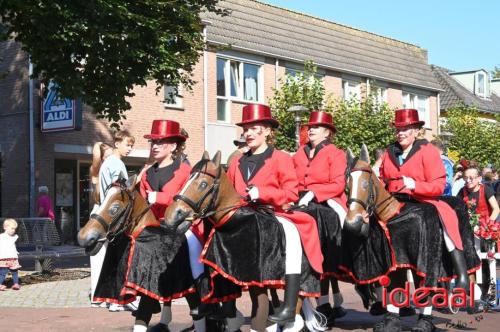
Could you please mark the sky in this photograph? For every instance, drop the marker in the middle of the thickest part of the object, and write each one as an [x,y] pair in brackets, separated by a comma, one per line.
[459,35]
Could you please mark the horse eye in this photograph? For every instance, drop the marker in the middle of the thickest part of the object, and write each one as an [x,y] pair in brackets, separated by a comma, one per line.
[203,185]
[113,209]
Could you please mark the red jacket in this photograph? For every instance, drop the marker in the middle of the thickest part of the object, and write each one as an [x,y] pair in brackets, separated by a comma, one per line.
[277,184]
[423,164]
[165,197]
[324,175]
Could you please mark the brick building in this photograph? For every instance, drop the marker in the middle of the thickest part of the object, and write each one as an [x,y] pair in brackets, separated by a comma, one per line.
[265,42]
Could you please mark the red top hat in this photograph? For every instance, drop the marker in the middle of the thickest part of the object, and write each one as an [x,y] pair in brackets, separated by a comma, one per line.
[165,129]
[318,118]
[407,117]
[253,113]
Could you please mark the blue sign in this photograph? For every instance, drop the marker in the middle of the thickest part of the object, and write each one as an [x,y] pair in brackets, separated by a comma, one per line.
[57,114]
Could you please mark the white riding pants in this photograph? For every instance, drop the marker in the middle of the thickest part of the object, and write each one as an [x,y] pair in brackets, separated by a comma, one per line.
[338,209]
[293,247]
[195,248]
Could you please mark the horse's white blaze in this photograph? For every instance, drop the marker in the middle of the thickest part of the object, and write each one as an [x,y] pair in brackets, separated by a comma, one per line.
[191,179]
[109,194]
[354,189]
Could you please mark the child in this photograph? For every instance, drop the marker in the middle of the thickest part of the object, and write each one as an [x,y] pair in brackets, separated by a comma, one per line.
[8,254]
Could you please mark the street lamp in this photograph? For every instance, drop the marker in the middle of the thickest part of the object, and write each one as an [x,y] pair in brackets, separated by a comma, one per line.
[297,109]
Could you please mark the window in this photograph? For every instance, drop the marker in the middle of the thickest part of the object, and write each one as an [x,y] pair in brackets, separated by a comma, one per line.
[236,80]
[481,84]
[379,94]
[173,96]
[420,103]
[351,90]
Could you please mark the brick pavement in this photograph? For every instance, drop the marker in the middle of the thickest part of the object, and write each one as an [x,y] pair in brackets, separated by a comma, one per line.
[64,306]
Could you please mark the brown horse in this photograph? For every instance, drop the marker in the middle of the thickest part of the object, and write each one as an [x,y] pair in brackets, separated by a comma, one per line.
[123,210]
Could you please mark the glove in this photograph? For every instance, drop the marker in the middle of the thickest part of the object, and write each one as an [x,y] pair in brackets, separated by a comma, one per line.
[253,193]
[306,199]
[152,197]
[409,183]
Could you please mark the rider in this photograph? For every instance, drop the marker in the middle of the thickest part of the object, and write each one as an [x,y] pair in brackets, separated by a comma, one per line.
[413,167]
[320,168]
[159,185]
[266,176]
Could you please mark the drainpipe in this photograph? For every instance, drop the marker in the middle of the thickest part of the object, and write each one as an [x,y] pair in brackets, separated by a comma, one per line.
[31,140]
[276,66]
[438,114]
[205,87]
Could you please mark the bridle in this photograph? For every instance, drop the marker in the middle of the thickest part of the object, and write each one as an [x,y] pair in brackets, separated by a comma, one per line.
[121,221]
[208,210]
[370,205]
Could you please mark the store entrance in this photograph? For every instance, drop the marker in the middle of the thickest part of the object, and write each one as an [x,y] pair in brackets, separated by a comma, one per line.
[65,198]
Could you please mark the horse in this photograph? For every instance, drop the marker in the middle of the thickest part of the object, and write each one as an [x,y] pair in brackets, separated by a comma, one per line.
[407,235]
[138,244]
[210,195]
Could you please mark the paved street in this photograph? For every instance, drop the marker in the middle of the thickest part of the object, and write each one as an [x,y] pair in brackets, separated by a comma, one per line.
[64,306]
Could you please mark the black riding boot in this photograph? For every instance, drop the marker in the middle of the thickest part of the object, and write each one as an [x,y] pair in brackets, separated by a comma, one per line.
[460,267]
[286,313]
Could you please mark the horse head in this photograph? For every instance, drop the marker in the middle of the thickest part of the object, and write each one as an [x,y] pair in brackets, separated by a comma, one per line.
[207,193]
[117,214]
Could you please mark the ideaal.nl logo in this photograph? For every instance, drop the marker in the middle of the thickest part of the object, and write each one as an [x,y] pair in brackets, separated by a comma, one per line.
[422,297]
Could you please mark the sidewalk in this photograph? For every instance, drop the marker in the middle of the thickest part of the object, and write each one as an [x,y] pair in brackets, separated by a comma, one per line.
[64,306]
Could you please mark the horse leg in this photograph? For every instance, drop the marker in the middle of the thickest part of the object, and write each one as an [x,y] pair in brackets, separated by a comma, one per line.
[323,302]
[275,301]
[338,310]
[260,308]
[424,323]
[392,321]
[147,306]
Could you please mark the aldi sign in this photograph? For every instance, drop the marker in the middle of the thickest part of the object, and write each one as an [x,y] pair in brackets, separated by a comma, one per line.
[59,114]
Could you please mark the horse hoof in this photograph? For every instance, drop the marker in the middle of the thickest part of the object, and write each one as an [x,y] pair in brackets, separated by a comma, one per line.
[159,328]
[406,312]
[377,309]
[338,312]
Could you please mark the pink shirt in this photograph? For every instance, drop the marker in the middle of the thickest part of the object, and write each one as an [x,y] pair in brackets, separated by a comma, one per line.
[45,203]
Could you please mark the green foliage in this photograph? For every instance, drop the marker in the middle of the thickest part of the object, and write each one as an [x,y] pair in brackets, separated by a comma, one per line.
[365,122]
[496,72]
[98,50]
[473,138]
[357,123]
[304,88]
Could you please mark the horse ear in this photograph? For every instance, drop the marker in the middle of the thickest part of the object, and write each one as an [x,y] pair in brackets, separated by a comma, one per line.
[206,156]
[350,156]
[364,154]
[131,182]
[216,159]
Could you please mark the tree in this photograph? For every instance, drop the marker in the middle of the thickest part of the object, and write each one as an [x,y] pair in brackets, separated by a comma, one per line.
[357,123]
[471,137]
[98,50]
[496,72]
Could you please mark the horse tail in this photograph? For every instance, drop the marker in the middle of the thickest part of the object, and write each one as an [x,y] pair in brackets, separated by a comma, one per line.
[315,321]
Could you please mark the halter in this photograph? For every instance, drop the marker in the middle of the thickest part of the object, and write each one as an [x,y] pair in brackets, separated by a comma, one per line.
[208,210]
[122,220]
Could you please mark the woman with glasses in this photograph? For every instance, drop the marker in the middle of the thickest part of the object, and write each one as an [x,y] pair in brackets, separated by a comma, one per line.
[480,199]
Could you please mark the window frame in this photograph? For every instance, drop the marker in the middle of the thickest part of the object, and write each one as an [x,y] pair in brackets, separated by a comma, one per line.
[228,99]
[178,98]
[347,82]
[414,102]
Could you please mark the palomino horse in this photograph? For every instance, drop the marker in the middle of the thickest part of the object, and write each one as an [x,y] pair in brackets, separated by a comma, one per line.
[210,195]
[413,236]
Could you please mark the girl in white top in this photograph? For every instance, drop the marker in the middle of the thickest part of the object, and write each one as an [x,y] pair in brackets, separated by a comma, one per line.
[8,254]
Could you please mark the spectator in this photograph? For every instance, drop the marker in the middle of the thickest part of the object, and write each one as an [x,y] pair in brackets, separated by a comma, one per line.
[8,254]
[458,181]
[241,148]
[44,204]
[100,152]
[448,166]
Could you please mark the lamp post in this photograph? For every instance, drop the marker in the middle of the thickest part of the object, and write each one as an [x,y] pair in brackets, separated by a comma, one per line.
[297,109]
